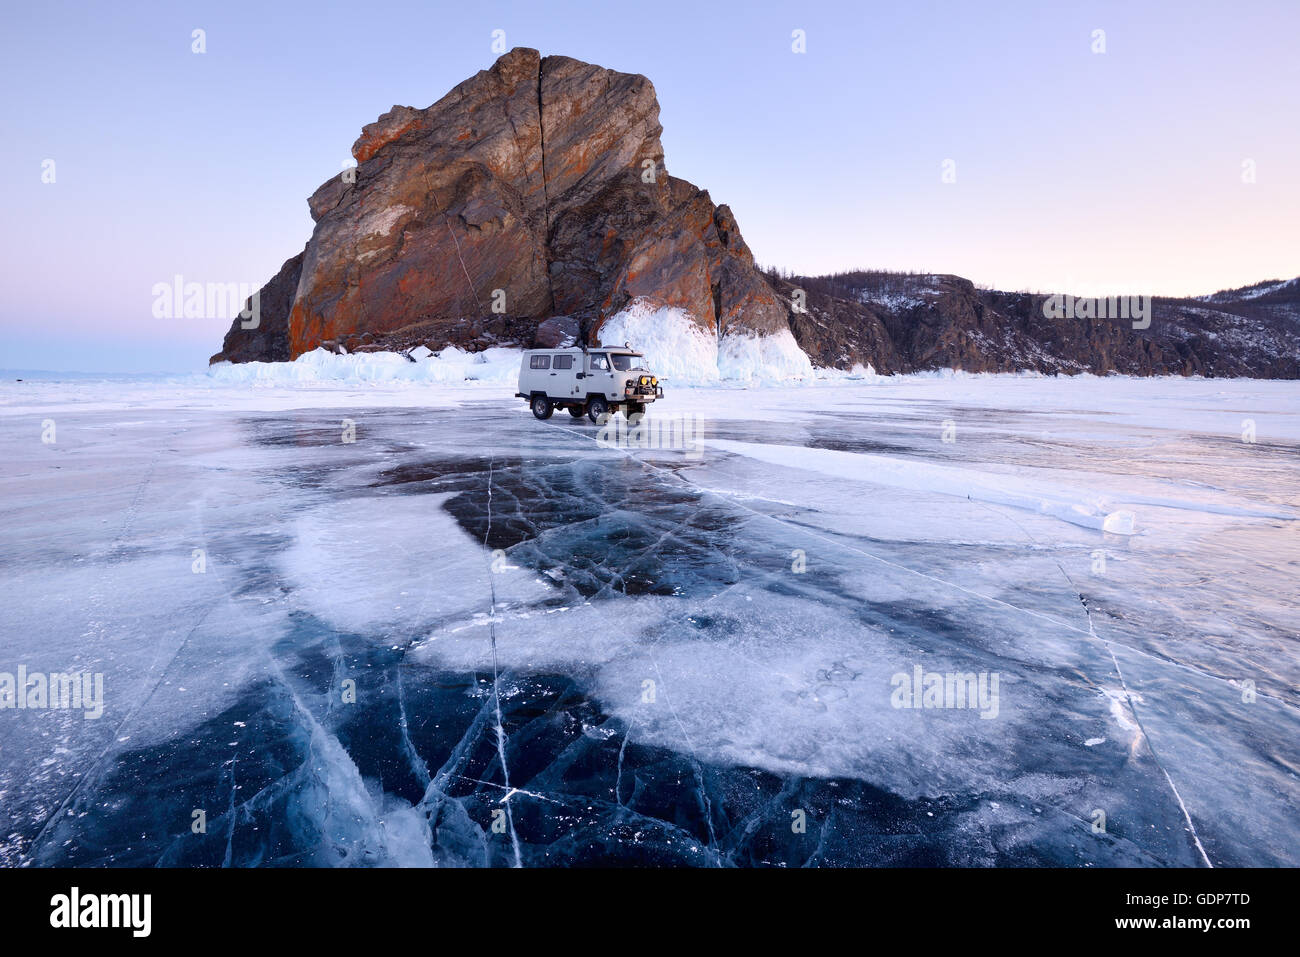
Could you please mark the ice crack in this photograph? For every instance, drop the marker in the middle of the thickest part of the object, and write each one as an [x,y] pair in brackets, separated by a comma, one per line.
[496,679]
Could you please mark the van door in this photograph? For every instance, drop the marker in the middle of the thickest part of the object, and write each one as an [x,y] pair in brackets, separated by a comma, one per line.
[538,375]
[599,370]
[566,383]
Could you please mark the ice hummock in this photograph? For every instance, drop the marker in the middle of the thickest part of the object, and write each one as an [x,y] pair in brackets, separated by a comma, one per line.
[498,364]
[682,352]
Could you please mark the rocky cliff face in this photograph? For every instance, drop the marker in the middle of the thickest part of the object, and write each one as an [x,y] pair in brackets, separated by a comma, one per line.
[911,323]
[534,189]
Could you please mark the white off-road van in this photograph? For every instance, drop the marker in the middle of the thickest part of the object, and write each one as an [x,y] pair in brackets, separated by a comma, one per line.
[597,381]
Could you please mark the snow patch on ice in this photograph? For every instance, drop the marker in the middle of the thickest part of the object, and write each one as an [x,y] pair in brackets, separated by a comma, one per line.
[783,684]
[1120,523]
[1119,708]
[394,566]
[1074,505]
[895,472]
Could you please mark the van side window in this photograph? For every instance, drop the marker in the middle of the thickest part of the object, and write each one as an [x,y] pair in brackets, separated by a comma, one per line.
[539,362]
[600,363]
[564,362]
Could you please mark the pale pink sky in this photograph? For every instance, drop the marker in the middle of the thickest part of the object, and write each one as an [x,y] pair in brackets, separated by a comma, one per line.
[1076,170]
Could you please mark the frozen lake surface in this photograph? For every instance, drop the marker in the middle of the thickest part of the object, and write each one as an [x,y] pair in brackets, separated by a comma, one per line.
[471,638]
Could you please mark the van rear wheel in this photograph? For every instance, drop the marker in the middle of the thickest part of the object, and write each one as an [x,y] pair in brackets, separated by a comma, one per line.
[542,407]
[597,410]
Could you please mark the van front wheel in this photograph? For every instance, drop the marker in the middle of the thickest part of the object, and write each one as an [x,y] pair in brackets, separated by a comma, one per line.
[597,410]
[542,407]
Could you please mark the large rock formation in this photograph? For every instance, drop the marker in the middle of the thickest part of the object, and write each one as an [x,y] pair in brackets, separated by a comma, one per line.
[535,188]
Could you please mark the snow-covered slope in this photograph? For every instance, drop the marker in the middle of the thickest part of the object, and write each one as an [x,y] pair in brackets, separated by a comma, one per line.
[682,352]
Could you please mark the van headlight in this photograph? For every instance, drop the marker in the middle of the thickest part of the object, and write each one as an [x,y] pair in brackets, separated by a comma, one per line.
[644,380]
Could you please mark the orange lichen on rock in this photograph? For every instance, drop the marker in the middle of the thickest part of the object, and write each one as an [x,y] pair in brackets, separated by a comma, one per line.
[392,125]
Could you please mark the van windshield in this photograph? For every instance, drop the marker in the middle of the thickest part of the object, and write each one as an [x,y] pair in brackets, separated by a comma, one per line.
[626,363]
